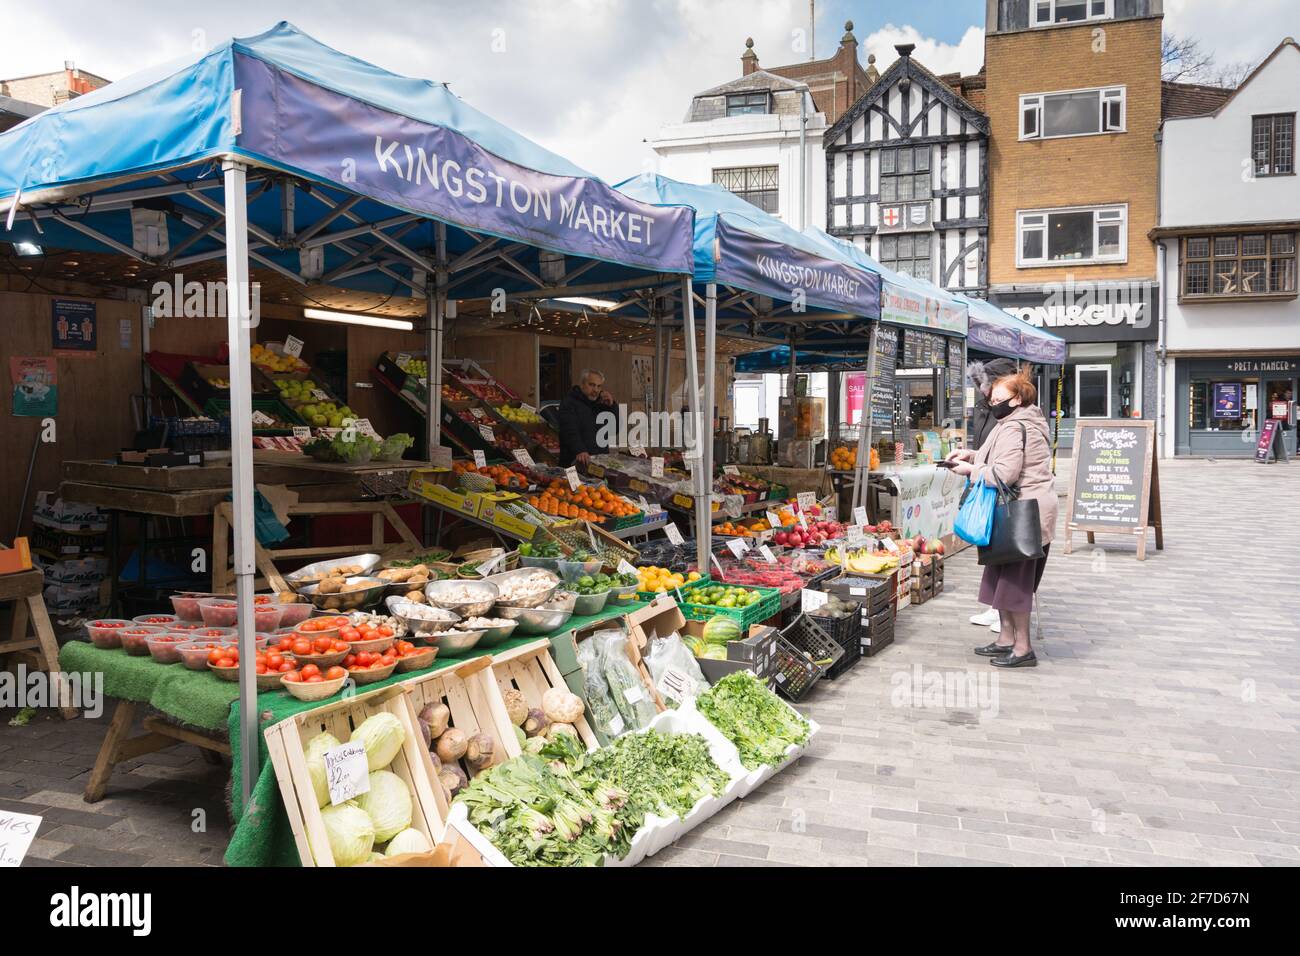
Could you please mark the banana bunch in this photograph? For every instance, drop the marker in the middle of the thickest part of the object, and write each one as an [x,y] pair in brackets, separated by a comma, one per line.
[862,560]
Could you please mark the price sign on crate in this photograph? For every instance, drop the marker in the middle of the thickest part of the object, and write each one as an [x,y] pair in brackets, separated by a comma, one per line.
[522,456]
[810,601]
[293,346]
[302,432]
[346,772]
[476,412]
[738,547]
[574,481]
[767,554]
[320,395]
[624,567]
[773,521]
[261,418]
[730,470]
[403,360]
[480,459]
[806,500]
[488,436]
[860,515]
[674,534]
[656,467]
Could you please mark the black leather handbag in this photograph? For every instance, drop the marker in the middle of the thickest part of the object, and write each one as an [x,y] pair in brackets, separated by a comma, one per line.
[1017,533]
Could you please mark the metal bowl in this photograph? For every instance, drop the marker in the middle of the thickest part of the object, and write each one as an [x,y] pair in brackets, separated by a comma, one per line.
[572,570]
[588,604]
[451,643]
[417,627]
[313,573]
[437,592]
[361,599]
[539,620]
[495,635]
[500,580]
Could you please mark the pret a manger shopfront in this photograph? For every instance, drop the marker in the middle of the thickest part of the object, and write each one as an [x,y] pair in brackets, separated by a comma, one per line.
[1224,401]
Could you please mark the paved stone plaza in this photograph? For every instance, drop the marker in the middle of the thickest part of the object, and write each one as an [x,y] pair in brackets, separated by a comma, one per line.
[1160,727]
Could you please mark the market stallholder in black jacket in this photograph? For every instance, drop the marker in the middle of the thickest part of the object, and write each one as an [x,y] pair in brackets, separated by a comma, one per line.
[578,418]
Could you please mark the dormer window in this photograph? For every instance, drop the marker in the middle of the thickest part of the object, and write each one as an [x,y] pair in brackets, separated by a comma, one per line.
[1048,12]
[739,104]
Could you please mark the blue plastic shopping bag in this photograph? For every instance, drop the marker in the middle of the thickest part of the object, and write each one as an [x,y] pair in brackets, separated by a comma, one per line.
[975,513]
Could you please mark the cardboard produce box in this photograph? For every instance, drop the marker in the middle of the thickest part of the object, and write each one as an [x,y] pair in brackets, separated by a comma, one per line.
[662,617]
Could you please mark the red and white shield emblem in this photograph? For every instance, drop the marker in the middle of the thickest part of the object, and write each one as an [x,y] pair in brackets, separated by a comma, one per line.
[889,216]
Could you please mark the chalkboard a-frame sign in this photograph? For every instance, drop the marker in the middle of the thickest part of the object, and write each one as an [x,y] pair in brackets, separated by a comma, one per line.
[1114,482]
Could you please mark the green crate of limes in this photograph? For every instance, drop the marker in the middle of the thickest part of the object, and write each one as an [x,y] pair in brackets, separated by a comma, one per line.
[746,605]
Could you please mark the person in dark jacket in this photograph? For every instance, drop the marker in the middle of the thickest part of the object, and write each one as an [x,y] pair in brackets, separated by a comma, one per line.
[579,419]
[982,375]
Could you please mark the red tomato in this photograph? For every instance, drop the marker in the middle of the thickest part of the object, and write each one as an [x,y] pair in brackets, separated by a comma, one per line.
[301,648]
[274,661]
[349,660]
[215,655]
[367,632]
[285,667]
[335,672]
[311,670]
[385,631]
[314,679]
[260,668]
[339,646]
[293,677]
[322,645]
[350,634]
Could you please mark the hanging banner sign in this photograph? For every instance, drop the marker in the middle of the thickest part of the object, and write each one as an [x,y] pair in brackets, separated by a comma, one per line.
[438,171]
[903,306]
[773,268]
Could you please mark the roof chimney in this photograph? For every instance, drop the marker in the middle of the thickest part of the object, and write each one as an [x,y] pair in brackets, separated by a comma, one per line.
[748,59]
[905,49]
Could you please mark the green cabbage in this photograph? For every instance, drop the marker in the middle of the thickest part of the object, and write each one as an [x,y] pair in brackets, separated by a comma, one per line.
[350,832]
[382,736]
[315,754]
[408,841]
[388,803]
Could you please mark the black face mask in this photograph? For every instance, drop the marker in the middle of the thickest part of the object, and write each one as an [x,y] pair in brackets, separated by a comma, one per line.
[1001,410]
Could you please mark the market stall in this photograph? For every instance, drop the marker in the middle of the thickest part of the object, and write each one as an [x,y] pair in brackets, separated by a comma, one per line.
[331,147]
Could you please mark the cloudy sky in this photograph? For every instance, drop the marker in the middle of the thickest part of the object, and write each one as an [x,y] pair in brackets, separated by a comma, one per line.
[590,79]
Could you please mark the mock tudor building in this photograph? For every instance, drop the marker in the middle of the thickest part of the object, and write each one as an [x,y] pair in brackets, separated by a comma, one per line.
[1072,92]
[906,175]
[1228,232]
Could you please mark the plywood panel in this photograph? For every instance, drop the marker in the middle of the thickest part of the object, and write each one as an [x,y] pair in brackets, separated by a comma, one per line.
[94,418]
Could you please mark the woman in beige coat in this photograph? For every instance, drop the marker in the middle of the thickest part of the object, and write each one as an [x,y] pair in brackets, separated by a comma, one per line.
[1019,451]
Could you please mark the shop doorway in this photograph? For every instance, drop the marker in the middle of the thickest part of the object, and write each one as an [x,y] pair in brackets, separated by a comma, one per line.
[555,373]
[1279,402]
[1092,388]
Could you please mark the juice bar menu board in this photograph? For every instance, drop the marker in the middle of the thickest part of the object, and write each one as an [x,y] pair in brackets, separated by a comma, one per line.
[1111,481]
[882,386]
[956,381]
[925,350]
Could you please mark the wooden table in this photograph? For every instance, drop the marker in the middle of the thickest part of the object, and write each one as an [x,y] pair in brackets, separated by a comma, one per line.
[194,492]
[25,588]
[117,746]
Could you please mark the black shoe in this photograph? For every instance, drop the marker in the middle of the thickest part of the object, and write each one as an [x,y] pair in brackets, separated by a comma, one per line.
[994,650]
[1011,660]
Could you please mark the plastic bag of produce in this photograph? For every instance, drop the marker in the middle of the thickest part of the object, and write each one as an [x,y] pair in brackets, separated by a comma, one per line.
[629,692]
[674,670]
[601,712]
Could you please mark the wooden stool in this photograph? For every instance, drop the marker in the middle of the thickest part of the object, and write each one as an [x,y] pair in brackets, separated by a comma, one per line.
[39,645]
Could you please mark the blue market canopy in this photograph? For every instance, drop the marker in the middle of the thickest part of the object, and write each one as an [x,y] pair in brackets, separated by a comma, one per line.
[775,280]
[777,359]
[349,167]
[994,330]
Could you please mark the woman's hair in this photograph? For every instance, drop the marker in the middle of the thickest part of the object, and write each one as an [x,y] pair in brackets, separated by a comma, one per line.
[1019,385]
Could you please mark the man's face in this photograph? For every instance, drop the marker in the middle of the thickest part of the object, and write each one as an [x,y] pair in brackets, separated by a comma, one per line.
[591,386]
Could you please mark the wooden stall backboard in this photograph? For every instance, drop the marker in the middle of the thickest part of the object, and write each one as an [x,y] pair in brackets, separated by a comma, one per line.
[1114,482]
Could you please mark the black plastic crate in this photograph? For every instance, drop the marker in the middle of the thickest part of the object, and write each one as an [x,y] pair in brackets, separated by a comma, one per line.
[872,643]
[845,632]
[793,674]
[811,638]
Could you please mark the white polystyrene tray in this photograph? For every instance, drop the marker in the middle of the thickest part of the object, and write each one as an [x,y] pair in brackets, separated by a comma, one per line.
[458,820]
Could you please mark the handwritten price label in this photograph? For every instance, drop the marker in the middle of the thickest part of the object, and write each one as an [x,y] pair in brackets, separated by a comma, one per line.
[860,515]
[522,456]
[346,772]
[674,533]
[17,830]
[738,547]
[293,346]
[488,436]
[574,481]
[656,467]
[480,459]
[767,554]
[730,470]
[811,600]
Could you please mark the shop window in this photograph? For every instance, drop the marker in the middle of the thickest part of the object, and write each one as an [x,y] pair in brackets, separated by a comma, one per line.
[1272,144]
[1047,12]
[905,173]
[754,184]
[1224,405]
[1092,386]
[1073,113]
[1239,265]
[741,104]
[907,254]
[1078,236]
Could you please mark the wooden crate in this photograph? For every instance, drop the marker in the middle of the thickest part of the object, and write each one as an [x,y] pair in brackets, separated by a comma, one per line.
[531,670]
[286,740]
[475,701]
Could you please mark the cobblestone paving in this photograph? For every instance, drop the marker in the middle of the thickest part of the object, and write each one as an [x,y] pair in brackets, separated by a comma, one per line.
[1159,728]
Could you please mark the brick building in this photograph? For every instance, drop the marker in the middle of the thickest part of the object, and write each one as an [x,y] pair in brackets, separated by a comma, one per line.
[1073,97]
[51,89]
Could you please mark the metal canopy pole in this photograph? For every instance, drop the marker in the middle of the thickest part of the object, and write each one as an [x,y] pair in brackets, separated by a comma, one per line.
[437,310]
[710,386]
[703,501]
[238,321]
[862,466]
